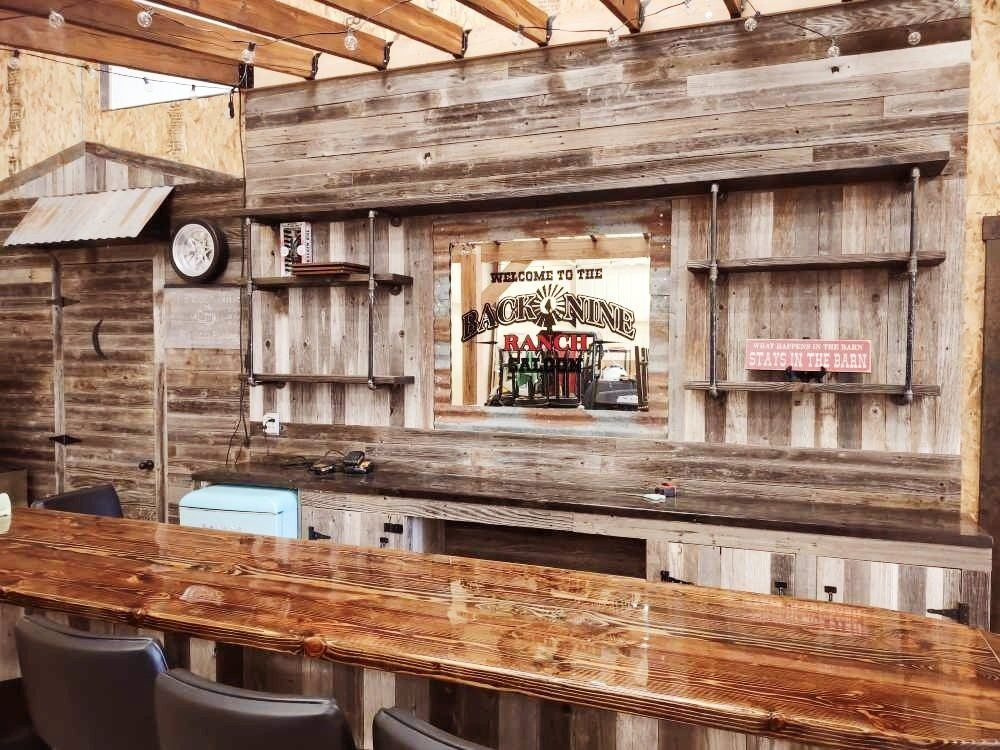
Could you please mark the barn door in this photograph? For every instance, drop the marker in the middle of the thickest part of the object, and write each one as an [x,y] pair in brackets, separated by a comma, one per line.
[108,380]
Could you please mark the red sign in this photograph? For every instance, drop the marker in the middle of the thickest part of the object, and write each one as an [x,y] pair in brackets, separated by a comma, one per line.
[809,355]
[559,341]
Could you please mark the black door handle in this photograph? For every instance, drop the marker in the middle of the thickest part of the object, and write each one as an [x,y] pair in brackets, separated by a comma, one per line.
[146,464]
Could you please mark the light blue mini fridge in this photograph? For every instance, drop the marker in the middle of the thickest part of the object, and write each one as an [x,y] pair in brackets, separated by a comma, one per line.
[254,510]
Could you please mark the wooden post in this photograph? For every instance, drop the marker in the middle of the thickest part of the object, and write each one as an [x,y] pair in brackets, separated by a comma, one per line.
[989,465]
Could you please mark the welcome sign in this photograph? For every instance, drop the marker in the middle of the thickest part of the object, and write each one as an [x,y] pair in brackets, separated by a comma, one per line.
[550,305]
[809,355]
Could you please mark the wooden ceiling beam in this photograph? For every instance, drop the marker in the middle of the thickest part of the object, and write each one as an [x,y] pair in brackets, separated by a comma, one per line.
[629,12]
[278,20]
[409,20]
[34,34]
[519,15]
[735,8]
[119,17]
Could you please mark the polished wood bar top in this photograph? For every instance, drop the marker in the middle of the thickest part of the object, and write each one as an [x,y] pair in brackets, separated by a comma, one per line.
[690,506]
[833,675]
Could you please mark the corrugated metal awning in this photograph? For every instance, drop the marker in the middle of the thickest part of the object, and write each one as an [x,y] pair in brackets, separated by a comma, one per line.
[111,215]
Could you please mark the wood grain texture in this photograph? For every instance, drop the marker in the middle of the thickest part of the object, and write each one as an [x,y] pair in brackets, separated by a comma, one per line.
[185,33]
[274,18]
[989,471]
[83,43]
[876,479]
[822,231]
[666,111]
[741,662]
[692,505]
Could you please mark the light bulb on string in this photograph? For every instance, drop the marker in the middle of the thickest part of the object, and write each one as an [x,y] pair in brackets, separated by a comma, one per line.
[350,40]
[834,49]
[144,18]
[14,61]
[913,38]
[613,38]
[751,24]
[249,55]
[56,19]
[518,39]
[709,13]
[147,85]
[432,5]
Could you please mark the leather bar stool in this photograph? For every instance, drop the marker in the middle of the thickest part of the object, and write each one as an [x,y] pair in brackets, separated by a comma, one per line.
[396,729]
[89,692]
[101,500]
[197,714]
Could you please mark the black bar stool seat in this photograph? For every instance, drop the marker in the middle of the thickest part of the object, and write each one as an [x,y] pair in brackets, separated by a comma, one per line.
[396,729]
[101,500]
[197,714]
[86,691]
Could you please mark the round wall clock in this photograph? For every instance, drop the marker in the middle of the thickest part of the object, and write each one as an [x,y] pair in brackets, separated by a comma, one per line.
[198,252]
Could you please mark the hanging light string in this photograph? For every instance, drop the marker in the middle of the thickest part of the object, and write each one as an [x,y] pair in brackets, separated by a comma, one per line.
[88,67]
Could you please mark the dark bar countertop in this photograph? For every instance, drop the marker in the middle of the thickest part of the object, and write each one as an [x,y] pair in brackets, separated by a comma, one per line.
[805,671]
[690,506]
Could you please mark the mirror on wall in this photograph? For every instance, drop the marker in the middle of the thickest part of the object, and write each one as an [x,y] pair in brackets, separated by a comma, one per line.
[551,323]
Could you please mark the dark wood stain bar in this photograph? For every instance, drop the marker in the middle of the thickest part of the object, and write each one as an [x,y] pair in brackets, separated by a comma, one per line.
[693,505]
[791,669]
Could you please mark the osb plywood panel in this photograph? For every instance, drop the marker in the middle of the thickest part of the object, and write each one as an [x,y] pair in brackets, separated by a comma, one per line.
[198,132]
[59,105]
[868,304]
[983,200]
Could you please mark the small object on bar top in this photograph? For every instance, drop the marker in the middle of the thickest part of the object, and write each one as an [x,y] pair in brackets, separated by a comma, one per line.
[666,489]
[364,466]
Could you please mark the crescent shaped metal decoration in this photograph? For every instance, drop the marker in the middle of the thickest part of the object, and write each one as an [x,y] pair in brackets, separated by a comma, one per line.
[95,339]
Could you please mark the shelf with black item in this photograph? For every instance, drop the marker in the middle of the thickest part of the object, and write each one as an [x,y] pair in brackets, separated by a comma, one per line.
[910,262]
[341,275]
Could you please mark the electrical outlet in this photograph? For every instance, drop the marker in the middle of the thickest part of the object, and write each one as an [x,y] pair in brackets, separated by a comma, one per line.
[272,423]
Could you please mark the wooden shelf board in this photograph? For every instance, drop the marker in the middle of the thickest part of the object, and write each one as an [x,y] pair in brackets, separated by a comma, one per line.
[895,166]
[272,377]
[767,386]
[816,263]
[349,279]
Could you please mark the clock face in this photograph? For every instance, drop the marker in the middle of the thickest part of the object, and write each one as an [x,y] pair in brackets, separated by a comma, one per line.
[194,250]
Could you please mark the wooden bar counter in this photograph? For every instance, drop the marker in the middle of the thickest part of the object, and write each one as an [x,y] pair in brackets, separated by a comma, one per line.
[847,677]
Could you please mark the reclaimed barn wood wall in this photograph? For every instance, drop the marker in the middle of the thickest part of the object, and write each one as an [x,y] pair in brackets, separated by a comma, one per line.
[869,304]
[201,348]
[671,108]
[672,111]
[26,343]
[58,384]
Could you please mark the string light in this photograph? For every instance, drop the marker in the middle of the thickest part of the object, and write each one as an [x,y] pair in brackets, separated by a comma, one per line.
[833,50]
[350,40]
[751,24]
[432,5]
[147,85]
[144,18]
[249,55]
[14,61]
[518,39]
[613,37]
[708,11]
[56,19]
[913,38]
